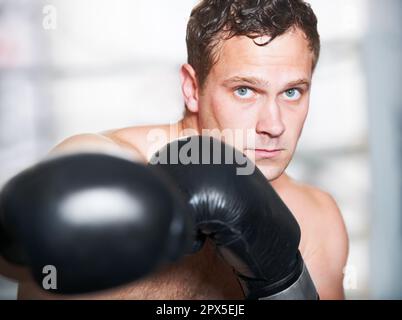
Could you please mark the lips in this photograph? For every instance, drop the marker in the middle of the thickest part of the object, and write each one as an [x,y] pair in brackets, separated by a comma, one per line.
[266,153]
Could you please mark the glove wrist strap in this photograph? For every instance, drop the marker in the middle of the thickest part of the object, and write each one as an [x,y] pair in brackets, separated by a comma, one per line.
[302,289]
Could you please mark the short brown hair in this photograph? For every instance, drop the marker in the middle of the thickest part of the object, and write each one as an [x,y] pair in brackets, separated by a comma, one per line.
[214,20]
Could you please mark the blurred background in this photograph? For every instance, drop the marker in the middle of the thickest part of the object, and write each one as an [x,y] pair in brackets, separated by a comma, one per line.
[76,66]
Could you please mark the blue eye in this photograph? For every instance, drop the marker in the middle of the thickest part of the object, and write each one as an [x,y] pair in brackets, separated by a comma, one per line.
[292,94]
[243,92]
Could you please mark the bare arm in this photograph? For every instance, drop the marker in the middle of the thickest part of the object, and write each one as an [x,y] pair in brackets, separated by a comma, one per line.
[97,143]
[192,278]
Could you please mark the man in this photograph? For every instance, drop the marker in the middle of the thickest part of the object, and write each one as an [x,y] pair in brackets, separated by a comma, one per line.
[250,67]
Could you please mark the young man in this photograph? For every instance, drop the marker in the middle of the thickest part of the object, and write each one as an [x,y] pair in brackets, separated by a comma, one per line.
[250,67]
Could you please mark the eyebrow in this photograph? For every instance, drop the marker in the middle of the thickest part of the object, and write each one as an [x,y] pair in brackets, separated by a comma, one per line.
[250,80]
[300,82]
[255,81]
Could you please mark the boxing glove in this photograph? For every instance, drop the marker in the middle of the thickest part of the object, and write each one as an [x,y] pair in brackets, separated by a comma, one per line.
[100,220]
[250,225]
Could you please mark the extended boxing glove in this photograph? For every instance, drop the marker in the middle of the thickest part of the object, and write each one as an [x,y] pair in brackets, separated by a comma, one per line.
[100,220]
[252,228]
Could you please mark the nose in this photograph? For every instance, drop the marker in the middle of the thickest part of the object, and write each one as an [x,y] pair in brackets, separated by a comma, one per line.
[270,120]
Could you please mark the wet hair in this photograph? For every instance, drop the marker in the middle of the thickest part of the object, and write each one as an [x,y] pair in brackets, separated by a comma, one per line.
[212,21]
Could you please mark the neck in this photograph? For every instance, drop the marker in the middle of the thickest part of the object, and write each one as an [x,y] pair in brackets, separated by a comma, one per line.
[281,182]
[190,121]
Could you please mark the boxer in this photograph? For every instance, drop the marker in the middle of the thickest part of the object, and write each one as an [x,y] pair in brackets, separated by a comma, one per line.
[250,67]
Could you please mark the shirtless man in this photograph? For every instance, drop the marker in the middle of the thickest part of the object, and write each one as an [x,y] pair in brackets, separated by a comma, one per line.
[249,67]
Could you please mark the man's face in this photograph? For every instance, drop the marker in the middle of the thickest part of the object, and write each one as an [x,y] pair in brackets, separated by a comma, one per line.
[264,90]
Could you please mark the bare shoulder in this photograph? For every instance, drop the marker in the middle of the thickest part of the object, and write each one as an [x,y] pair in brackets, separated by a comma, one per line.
[145,139]
[139,142]
[321,205]
[324,237]
[324,214]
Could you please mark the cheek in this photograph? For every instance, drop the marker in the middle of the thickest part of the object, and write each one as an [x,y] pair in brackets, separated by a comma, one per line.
[294,121]
[229,114]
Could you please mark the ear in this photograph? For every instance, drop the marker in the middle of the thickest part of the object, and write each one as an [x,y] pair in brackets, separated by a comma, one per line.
[189,87]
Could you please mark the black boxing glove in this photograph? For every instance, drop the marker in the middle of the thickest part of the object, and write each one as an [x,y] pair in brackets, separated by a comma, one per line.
[252,228]
[100,220]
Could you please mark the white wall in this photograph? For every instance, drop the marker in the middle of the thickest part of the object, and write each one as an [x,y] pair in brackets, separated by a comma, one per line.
[110,64]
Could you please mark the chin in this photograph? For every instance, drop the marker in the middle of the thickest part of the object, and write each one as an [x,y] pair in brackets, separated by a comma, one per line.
[271,171]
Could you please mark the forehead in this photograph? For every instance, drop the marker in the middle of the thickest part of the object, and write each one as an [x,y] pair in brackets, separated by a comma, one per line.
[288,56]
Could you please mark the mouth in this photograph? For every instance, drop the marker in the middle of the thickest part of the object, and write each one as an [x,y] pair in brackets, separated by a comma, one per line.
[261,153]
